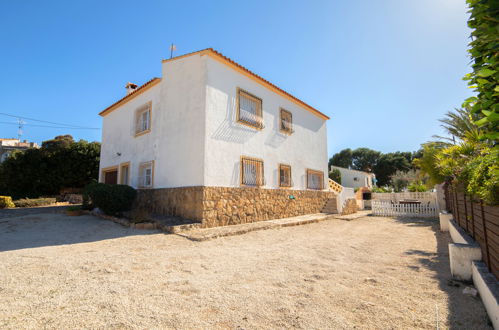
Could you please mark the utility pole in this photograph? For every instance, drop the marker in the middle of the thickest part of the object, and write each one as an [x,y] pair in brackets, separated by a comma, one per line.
[20,126]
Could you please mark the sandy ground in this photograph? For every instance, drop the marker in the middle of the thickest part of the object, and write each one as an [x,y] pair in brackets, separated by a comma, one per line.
[371,273]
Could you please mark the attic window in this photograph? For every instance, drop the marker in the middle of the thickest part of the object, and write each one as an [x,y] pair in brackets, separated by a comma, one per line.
[249,109]
[143,119]
[286,123]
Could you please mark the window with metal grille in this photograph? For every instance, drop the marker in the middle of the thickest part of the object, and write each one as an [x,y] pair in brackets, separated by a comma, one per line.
[315,180]
[146,174]
[284,175]
[143,119]
[252,172]
[249,110]
[286,122]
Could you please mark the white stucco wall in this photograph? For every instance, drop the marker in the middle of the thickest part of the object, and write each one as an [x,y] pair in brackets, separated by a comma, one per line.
[227,140]
[195,139]
[348,178]
[175,142]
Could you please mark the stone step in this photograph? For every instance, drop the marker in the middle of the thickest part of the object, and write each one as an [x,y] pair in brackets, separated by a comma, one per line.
[330,206]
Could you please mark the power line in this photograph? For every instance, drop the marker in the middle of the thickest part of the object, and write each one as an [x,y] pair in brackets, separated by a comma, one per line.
[44,121]
[33,125]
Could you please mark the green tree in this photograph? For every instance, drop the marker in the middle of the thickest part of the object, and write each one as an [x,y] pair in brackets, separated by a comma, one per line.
[484,20]
[390,163]
[58,164]
[342,158]
[365,159]
[335,175]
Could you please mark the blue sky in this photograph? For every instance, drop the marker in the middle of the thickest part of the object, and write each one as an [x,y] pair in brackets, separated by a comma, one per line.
[384,70]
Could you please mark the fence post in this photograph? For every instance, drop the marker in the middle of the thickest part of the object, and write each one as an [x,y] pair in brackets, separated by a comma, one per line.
[465,212]
[485,235]
[472,217]
[456,211]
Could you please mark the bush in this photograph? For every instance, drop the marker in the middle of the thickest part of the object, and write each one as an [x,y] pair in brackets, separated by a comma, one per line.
[87,203]
[27,202]
[335,175]
[74,208]
[6,202]
[381,190]
[417,186]
[112,199]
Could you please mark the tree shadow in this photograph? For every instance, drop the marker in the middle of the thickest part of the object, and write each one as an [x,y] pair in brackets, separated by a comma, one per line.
[52,229]
[465,312]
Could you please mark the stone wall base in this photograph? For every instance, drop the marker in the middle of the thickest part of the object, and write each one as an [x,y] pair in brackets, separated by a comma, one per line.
[221,206]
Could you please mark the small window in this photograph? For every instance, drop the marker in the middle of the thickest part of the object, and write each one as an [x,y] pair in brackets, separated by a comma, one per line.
[355,179]
[146,175]
[315,180]
[284,175]
[252,172]
[143,119]
[286,123]
[125,173]
[249,109]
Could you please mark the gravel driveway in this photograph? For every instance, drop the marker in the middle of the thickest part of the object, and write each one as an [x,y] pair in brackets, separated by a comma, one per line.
[372,273]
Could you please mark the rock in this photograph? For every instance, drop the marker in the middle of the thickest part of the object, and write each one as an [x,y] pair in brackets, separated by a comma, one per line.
[470,291]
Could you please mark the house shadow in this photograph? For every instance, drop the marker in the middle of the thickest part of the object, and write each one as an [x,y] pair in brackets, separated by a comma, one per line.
[25,230]
[465,312]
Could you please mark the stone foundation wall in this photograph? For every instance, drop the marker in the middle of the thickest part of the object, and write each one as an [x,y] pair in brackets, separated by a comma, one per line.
[221,206]
[229,206]
[350,207]
[185,202]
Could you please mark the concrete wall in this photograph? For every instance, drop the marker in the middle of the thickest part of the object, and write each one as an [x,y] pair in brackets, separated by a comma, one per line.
[227,140]
[353,178]
[175,142]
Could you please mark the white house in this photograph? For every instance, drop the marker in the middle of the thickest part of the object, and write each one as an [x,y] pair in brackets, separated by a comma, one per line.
[209,130]
[355,179]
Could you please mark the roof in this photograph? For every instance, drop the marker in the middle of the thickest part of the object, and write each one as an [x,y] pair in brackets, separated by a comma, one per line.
[351,169]
[136,92]
[238,67]
[229,62]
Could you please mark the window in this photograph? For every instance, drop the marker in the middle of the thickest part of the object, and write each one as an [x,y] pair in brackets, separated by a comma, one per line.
[286,122]
[249,109]
[125,173]
[252,172]
[315,180]
[284,175]
[143,119]
[146,175]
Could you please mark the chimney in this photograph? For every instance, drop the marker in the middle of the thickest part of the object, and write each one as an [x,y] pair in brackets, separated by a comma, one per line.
[130,88]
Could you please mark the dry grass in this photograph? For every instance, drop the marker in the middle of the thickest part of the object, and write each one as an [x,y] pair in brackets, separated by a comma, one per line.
[373,273]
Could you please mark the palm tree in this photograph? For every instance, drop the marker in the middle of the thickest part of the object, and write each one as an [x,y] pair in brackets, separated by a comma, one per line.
[459,124]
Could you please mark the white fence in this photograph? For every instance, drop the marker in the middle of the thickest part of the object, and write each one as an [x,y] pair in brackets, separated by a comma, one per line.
[384,208]
[396,197]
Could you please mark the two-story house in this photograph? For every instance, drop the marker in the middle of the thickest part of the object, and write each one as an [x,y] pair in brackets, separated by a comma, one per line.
[213,142]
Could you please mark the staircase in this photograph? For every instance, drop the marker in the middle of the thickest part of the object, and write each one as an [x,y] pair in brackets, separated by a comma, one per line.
[331,206]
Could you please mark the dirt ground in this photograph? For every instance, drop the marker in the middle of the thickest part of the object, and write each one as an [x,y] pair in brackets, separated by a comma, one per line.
[371,273]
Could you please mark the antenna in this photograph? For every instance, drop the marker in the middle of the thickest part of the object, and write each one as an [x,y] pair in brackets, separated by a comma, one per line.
[172,48]
[20,126]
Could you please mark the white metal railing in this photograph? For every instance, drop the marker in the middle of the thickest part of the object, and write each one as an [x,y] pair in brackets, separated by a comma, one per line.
[384,208]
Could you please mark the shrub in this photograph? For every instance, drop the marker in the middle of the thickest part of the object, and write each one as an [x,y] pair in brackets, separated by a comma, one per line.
[74,208]
[335,175]
[6,202]
[112,199]
[27,202]
[417,186]
[87,203]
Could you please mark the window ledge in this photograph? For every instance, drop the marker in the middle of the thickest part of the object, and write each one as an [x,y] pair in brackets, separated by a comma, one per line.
[256,127]
[142,133]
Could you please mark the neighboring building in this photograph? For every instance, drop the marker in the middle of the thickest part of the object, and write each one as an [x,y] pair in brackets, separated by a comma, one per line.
[214,142]
[355,179]
[9,145]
